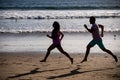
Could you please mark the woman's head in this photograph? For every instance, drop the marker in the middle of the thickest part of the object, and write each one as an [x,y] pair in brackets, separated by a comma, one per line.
[56,25]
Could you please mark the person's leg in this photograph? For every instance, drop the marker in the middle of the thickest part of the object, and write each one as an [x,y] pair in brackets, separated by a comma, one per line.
[100,44]
[48,52]
[87,53]
[109,52]
[65,53]
[91,44]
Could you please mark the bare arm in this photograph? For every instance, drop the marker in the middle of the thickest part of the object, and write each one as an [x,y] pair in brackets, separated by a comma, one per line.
[102,29]
[62,35]
[87,28]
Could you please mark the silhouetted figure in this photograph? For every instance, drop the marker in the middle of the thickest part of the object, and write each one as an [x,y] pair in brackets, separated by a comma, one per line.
[96,39]
[56,36]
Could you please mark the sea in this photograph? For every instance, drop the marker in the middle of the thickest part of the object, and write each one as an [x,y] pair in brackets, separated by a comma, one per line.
[24,24]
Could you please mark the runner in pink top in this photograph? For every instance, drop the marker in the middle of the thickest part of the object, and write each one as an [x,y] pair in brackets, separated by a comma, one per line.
[56,36]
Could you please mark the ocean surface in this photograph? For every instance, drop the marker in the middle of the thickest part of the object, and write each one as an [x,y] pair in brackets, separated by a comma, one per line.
[25,23]
[59,4]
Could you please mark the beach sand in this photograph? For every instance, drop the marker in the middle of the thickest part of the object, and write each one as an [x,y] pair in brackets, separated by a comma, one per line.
[26,66]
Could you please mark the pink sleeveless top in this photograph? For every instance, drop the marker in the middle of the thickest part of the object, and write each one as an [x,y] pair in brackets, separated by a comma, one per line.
[56,38]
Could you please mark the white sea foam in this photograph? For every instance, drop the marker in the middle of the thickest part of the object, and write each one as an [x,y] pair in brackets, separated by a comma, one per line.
[23,21]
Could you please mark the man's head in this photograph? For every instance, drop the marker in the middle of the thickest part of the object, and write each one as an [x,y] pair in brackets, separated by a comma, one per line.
[92,20]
